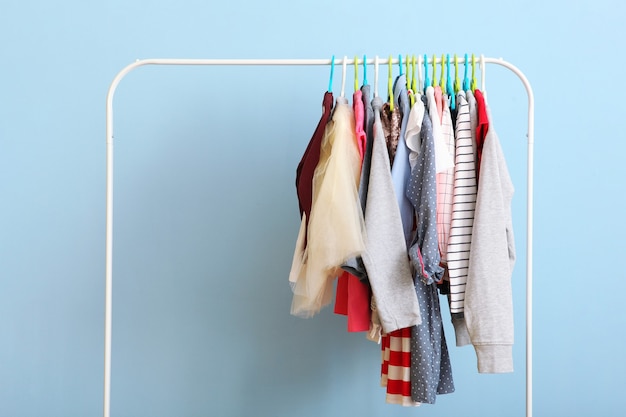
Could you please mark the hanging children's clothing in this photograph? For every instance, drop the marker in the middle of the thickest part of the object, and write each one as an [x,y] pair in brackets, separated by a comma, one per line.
[398,214]
[431,372]
[488,294]
[352,295]
[335,228]
[463,205]
[385,256]
[304,188]
[401,169]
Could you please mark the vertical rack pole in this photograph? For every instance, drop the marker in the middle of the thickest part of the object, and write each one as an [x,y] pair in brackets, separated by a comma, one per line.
[529,229]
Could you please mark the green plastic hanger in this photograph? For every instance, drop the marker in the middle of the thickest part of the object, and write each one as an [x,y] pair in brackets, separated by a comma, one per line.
[474,83]
[434,71]
[442,82]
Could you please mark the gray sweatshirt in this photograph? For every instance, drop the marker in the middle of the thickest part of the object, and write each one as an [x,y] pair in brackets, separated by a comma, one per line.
[488,293]
[385,255]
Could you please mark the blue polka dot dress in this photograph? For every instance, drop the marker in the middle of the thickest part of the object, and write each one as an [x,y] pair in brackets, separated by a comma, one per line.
[431,372]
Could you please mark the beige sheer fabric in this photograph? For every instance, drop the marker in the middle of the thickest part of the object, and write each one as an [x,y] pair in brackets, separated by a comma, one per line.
[335,229]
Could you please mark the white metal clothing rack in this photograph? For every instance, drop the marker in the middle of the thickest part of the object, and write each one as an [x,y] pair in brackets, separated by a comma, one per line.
[304,62]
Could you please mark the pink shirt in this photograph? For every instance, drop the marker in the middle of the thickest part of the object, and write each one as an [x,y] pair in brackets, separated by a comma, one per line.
[359,117]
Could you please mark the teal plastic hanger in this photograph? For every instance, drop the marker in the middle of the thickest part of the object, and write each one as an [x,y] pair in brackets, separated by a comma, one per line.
[356,73]
[400,63]
[332,71]
[466,82]
[449,84]
[426,79]
[364,70]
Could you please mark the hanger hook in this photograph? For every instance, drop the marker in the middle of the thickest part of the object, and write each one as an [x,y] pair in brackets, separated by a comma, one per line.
[332,71]
[411,84]
[450,78]
[457,81]
[434,70]
[442,80]
[376,76]
[344,64]
[466,85]
[364,70]
[356,73]
[482,73]
[390,84]
[421,65]
[473,85]
[409,76]
[414,79]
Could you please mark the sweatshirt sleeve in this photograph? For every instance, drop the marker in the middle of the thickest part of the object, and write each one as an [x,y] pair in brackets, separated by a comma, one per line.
[488,296]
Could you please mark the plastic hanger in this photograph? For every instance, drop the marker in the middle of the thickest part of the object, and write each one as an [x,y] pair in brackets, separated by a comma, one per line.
[413,74]
[407,71]
[426,79]
[457,81]
[400,63]
[410,77]
[376,76]
[442,82]
[449,78]
[364,70]
[473,85]
[419,72]
[414,78]
[449,85]
[390,84]
[356,73]
[434,71]
[332,71]
[482,74]
[343,76]
[466,83]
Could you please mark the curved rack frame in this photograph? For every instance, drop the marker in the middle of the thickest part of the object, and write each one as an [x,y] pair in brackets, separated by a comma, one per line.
[304,62]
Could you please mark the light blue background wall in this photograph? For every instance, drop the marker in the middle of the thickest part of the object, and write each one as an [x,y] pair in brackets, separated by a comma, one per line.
[206,213]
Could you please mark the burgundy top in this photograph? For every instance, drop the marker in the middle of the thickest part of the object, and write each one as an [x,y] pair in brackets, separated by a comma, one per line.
[310,159]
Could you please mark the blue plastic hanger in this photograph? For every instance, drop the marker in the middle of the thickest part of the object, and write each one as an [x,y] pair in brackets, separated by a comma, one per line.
[449,86]
[426,79]
[332,71]
[356,73]
[364,70]
[400,63]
